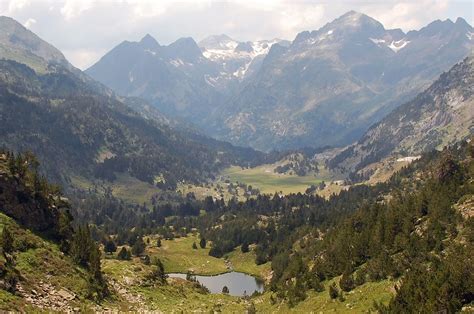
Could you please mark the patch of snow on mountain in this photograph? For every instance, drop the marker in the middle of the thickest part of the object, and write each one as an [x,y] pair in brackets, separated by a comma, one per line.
[470,35]
[408,158]
[177,62]
[219,54]
[150,52]
[330,32]
[396,46]
[240,73]
[227,51]
[377,41]
[210,80]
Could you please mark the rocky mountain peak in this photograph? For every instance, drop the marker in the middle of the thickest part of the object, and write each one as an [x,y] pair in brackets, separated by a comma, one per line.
[148,42]
[356,19]
[185,48]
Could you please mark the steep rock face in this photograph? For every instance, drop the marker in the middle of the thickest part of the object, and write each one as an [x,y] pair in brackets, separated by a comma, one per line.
[441,115]
[330,85]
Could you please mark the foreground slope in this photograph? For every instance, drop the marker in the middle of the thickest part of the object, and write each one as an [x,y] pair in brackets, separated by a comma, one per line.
[440,116]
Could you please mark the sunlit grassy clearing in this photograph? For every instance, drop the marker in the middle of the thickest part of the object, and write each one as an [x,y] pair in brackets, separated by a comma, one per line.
[267,181]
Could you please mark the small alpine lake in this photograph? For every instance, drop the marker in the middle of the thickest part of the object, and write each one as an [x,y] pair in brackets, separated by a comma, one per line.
[239,284]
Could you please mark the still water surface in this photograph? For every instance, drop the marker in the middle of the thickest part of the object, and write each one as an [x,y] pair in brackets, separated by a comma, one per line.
[238,283]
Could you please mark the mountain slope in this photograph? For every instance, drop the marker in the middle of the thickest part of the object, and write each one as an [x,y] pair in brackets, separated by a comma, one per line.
[76,126]
[331,84]
[441,115]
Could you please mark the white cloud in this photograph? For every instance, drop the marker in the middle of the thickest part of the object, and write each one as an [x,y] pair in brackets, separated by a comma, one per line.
[409,15]
[29,22]
[83,29]
[8,7]
[83,58]
[74,8]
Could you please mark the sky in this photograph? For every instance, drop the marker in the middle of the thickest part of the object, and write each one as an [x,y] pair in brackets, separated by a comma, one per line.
[84,30]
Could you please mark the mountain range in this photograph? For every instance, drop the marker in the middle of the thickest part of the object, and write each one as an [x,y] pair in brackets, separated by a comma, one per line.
[326,87]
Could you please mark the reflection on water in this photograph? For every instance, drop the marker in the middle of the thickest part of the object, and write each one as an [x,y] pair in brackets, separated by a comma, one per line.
[239,284]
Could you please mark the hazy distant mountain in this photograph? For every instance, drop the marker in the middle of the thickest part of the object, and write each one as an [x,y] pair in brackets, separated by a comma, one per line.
[325,88]
[330,85]
[441,115]
[173,77]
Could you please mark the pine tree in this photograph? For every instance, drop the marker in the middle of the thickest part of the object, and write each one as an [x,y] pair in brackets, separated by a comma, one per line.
[7,240]
[138,247]
[225,290]
[245,247]
[124,254]
[158,274]
[333,291]
[110,246]
[346,283]
[81,246]
[202,243]
[161,271]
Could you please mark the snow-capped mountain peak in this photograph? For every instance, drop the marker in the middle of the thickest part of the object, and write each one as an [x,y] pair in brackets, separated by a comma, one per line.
[235,57]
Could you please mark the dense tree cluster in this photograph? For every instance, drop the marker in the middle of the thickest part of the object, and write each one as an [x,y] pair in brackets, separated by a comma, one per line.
[416,234]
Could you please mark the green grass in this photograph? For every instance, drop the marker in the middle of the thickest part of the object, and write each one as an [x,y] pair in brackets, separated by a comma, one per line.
[178,256]
[267,181]
[359,300]
[245,263]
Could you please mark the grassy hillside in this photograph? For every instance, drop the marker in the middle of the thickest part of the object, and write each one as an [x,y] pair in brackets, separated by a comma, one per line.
[47,278]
